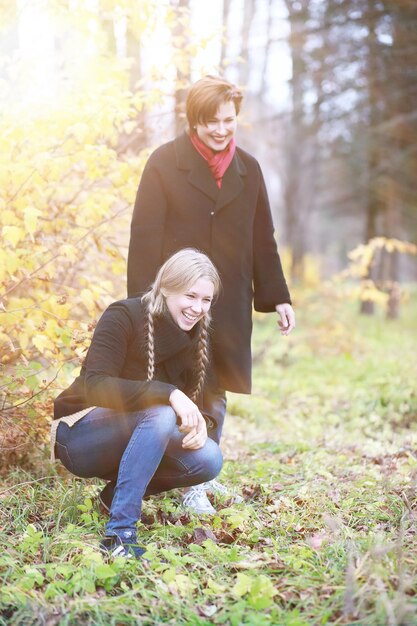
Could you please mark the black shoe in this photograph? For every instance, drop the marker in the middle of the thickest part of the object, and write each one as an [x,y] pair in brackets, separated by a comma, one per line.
[105,497]
[113,546]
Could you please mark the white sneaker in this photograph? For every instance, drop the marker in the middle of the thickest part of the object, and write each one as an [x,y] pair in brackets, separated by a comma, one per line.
[213,486]
[197,501]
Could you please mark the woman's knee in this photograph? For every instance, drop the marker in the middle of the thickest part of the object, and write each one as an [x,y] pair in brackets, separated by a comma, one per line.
[163,419]
[214,460]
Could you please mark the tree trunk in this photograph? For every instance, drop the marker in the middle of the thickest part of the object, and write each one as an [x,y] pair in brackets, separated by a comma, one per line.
[267,50]
[248,16]
[134,51]
[225,36]
[298,194]
[373,199]
[392,228]
[183,66]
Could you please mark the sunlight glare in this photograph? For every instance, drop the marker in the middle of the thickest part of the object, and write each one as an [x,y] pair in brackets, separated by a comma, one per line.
[39,74]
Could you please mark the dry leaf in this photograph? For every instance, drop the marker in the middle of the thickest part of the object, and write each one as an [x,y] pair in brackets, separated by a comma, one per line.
[202,534]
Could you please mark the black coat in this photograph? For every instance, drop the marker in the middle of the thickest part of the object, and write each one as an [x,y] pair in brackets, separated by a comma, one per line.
[179,205]
[114,374]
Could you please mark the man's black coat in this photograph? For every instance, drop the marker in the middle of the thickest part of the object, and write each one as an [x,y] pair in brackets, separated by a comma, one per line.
[179,205]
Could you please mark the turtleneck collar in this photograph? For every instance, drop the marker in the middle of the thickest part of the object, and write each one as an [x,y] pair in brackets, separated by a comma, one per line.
[170,339]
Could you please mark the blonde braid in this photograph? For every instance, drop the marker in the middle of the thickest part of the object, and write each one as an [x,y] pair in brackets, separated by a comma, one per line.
[150,328]
[202,358]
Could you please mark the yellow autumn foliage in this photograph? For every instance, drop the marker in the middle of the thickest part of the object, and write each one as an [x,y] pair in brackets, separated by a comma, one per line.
[363,255]
[361,259]
[66,196]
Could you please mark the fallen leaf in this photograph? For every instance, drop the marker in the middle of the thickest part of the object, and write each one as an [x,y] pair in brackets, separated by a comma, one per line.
[208,610]
[315,541]
[334,496]
[147,520]
[202,534]
[251,491]
[225,537]
[299,528]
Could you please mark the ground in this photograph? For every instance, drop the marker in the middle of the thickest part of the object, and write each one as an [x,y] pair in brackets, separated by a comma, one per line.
[324,453]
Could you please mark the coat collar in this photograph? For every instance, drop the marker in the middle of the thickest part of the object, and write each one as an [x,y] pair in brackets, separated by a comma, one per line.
[175,348]
[187,158]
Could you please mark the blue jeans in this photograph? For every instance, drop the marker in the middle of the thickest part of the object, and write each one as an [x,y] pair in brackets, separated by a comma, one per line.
[140,451]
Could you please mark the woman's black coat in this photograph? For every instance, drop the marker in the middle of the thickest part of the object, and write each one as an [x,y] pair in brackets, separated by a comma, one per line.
[179,205]
[114,373]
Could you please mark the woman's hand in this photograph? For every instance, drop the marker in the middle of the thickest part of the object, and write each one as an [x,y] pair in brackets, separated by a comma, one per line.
[186,410]
[287,315]
[197,437]
[192,422]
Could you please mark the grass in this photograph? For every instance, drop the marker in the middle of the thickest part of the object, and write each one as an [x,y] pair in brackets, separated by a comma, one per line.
[324,452]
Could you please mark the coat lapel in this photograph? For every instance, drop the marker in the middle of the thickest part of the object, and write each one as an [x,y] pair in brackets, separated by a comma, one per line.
[232,183]
[200,176]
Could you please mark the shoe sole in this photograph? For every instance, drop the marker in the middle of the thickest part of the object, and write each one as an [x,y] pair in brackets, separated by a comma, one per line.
[190,509]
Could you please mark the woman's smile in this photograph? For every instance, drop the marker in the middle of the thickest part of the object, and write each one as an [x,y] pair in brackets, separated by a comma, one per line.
[218,132]
[190,307]
[192,318]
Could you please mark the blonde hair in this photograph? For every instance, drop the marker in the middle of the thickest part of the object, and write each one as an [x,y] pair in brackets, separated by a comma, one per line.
[176,276]
[206,95]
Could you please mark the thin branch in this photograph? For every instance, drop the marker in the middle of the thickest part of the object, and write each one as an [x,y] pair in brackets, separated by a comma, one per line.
[58,254]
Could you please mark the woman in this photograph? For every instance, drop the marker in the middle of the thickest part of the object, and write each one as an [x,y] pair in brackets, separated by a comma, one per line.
[132,417]
[202,190]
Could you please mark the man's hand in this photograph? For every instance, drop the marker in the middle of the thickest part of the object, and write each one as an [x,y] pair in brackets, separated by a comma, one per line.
[287,315]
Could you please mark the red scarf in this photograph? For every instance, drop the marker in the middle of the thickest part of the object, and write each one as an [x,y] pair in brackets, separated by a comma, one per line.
[218,162]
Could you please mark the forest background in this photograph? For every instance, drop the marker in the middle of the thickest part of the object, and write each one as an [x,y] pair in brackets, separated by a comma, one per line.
[87,90]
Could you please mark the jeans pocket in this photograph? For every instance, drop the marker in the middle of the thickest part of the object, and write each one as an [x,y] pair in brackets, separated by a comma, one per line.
[63,455]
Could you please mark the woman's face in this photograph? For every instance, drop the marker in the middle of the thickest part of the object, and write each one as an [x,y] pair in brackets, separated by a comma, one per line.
[190,307]
[219,130]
